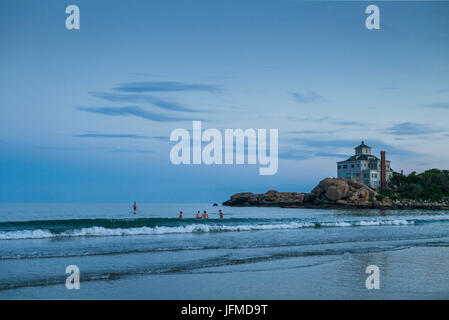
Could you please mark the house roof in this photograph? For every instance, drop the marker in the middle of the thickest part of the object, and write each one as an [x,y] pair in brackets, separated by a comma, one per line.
[361,157]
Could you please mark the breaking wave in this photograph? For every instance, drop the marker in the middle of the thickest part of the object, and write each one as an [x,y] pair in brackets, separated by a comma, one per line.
[159,226]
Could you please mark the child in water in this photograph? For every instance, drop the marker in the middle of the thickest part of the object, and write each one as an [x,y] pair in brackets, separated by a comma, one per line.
[198,215]
[180,215]
[205,215]
[221,214]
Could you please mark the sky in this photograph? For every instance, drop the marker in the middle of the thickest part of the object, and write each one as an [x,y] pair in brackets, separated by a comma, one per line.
[86,115]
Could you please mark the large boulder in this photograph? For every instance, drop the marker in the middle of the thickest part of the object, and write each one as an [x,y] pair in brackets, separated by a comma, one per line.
[337,190]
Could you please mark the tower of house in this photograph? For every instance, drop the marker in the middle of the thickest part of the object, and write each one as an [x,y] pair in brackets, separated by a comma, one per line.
[362,149]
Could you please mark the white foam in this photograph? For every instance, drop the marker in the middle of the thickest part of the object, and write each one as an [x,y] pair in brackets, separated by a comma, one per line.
[192,228]
[385,222]
[26,234]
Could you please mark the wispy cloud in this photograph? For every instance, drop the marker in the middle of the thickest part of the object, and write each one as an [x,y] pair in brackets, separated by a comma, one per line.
[294,155]
[161,138]
[121,136]
[164,86]
[389,88]
[305,132]
[349,123]
[58,148]
[411,128]
[332,147]
[106,135]
[130,111]
[161,103]
[297,154]
[131,151]
[147,74]
[325,143]
[307,97]
[330,155]
[443,105]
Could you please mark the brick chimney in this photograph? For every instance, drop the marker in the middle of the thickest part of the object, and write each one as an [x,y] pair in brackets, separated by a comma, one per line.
[383,171]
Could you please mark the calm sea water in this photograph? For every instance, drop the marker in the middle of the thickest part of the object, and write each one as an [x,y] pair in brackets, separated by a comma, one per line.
[253,253]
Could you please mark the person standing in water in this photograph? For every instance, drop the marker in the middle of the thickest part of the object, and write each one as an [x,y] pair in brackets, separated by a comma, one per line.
[198,215]
[205,215]
[180,215]
[220,213]
[135,207]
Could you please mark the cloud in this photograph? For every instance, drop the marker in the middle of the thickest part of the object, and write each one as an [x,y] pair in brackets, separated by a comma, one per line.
[307,97]
[102,135]
[161,138]
[161,103]
[389,88]
[324,143]
[59,148]
[147,74]
[331,155]
[411,128]
[131,151]
[301,132]
[331,147]
[443,105]
[164,86]
[349,123]
[121,136]
[130,111]
[295,154]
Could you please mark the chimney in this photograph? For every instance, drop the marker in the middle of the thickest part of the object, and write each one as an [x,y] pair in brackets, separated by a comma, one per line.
[383,171]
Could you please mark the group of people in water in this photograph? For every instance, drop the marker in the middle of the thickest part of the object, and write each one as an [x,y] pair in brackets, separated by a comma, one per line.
[198,215]
[204,215]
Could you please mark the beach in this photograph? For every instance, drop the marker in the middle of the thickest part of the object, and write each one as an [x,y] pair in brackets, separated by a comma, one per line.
[253,253]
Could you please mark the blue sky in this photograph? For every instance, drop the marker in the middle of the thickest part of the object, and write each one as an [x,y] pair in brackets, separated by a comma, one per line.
[86,115]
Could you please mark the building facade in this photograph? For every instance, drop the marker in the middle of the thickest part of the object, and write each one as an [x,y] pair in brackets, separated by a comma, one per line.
[364,167]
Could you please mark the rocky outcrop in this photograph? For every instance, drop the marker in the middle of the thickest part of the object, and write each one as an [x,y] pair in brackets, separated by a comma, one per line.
[270,198]
[330,192]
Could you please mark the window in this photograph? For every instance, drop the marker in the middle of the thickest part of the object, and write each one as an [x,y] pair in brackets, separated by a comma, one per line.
[352,166]
[345,166]
[339,167]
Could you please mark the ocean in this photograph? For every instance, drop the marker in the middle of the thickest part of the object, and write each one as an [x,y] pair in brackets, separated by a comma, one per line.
[253,253]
